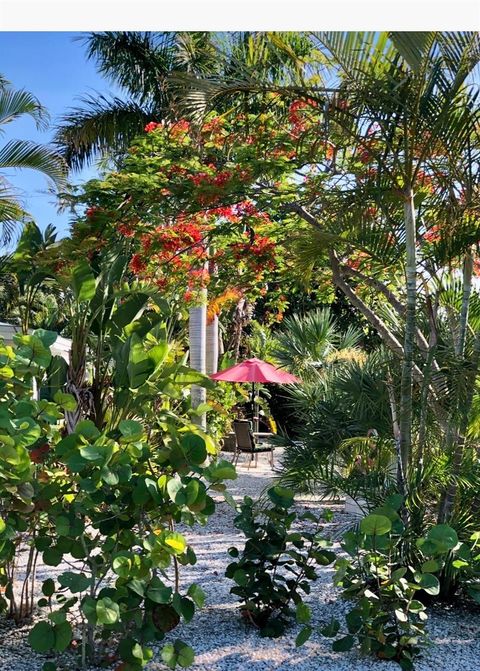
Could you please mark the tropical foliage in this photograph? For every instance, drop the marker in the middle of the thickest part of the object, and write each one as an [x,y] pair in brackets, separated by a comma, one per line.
[311,199]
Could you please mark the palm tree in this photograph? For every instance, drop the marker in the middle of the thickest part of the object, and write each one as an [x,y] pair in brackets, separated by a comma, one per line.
[138,63]
[19,154]
[142,64]
[29,294]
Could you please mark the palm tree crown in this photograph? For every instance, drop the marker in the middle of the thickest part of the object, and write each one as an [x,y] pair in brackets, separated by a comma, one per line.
[22,154]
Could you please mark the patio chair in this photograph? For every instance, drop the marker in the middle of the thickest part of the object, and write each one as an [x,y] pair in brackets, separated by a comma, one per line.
[246,443]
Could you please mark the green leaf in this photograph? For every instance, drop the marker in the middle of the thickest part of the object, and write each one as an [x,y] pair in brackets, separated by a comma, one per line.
[430,566]
[343,644]
[32,349]
[107,610]
[303,636]
[2,526]
[444,537]
[330,630]
[176,491]
[240,577]
[83,282]
[122,566]
[87,429]
[222,470]
[197,594]
[281,496]
[65,401]
[303,613]
[131,431]
[375,525]
[158,592]
[52,556]
[177,653]
[428,582]
[63,636]
[47,337]
[194,447]
[173,541]
[48,587]
[75,582]
[42,637]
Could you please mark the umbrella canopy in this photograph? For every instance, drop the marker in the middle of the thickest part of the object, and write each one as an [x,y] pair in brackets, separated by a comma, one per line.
[255,370]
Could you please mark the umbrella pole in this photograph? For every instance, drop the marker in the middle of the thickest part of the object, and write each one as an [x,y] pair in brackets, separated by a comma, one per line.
[254,410]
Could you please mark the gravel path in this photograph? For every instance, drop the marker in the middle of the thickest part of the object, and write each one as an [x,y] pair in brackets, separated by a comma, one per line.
[223,642]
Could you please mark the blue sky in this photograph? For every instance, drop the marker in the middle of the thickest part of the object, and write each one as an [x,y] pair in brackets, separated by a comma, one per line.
[53,67]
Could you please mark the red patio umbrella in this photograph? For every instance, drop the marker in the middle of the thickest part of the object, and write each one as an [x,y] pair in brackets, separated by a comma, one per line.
[255,371]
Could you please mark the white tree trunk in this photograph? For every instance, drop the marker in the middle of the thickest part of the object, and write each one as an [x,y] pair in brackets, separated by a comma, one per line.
[212,346]
[197,338]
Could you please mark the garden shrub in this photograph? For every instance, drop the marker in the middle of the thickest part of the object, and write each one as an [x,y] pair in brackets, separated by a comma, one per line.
[389,614]
[277,563]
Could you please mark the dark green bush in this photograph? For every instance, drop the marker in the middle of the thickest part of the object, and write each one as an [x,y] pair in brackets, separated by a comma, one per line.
[277,564]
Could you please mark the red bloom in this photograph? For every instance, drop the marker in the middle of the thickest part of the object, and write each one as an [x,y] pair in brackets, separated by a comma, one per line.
[433,234]
[151,126]
[137,264]
[126,230]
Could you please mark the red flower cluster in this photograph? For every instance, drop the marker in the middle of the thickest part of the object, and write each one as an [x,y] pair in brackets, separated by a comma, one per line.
[180,128]
[91,211]
[126,230]
[433,234]
[297,119]
[150,127]
[137,264]
[198,279]
[262,250]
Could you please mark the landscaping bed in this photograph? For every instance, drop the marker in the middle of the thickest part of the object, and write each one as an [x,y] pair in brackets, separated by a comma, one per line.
[224,642]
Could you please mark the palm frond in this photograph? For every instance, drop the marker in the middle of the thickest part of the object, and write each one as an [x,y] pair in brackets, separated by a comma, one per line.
[135,61]
[19,154]
[100,125]
[14,104]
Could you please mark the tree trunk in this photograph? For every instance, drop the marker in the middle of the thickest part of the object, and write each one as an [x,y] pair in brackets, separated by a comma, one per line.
[212,345]
[197,339]
[406,388]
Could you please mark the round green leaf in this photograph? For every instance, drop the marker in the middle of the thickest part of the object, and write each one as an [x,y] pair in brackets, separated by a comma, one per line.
[281,496]
[428,582]
[375,525]
[48,587]
[107,610]
[63,636]
[444,537]
[42,637]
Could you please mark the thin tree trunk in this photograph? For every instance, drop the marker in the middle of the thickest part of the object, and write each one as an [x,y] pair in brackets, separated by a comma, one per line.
[197,339]
[467,291]
[406,387]
[212,345]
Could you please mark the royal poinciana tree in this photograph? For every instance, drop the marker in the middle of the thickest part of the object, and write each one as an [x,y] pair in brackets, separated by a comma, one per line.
[163,206]
[380,188]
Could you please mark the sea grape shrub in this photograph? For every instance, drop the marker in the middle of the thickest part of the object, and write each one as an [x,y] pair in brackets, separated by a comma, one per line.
[389,616]
[29,430]
[274,570]
[116,516]
[101,506]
